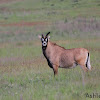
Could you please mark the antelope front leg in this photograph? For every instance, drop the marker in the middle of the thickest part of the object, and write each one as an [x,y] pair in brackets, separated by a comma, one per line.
[55,69]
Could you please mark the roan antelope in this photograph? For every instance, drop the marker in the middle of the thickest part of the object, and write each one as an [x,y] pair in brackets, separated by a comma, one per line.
[59,57]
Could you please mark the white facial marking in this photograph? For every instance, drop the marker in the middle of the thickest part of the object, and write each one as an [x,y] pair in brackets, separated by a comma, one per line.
[46,39]
[42,39]
[44,43]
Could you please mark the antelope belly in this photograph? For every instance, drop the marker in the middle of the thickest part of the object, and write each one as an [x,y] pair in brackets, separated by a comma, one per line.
[66,63]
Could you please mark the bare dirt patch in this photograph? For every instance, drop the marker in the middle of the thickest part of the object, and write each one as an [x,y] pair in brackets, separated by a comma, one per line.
[24,24]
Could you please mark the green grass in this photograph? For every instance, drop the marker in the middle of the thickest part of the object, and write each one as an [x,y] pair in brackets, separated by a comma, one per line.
[32,10]
[24,73]
[31,78]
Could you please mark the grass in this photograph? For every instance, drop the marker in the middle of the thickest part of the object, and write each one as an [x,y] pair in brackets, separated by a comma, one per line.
[48,10]
[31,78]
[24,73]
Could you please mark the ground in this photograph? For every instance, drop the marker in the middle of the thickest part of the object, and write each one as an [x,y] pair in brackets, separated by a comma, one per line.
[24,72]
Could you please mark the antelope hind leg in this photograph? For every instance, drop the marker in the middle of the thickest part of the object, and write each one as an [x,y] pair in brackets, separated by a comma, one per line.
[84,68]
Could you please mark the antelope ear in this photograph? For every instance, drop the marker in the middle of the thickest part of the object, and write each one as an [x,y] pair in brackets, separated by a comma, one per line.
[48,37]
[39,37]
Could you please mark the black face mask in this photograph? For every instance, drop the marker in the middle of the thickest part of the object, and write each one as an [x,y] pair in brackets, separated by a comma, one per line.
[44,41]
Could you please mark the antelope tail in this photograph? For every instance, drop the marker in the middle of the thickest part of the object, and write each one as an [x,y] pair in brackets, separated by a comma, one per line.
[88,65]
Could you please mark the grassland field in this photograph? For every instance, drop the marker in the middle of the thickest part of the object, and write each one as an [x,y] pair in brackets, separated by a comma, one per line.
[24,72]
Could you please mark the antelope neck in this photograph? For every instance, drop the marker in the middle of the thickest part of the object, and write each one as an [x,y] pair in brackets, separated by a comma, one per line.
[44,47]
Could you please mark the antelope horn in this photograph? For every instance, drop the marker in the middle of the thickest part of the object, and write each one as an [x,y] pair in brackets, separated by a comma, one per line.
[47,34]
[42,35]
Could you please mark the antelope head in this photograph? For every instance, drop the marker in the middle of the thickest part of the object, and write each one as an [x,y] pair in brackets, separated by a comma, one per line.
[44,39]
